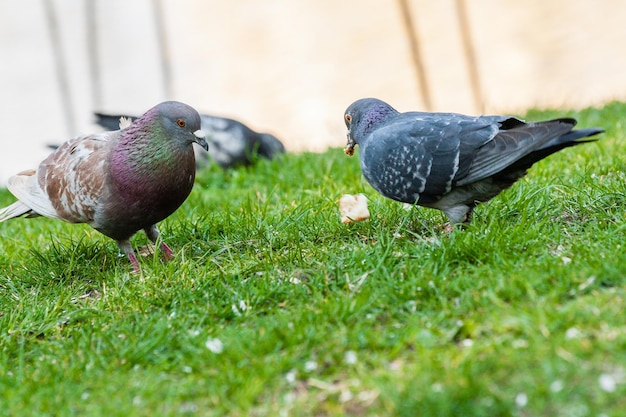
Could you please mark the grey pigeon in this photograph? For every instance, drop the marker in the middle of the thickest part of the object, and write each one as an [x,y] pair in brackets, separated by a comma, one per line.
[118,182]
[231,143]
[448,161]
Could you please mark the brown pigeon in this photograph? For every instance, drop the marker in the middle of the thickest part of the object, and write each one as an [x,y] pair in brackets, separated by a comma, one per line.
[118,182]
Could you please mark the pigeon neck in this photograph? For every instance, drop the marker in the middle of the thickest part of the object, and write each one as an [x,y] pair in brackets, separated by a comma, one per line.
[147,159]
[375,117]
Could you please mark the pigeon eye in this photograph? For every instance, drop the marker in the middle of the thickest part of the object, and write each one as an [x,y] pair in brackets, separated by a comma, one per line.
[348,118]
[181,123]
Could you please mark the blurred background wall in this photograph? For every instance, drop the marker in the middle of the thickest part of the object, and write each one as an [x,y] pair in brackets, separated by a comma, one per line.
[292,67]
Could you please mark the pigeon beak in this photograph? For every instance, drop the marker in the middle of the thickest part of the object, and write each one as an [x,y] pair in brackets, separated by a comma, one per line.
[200,139]
[349,149]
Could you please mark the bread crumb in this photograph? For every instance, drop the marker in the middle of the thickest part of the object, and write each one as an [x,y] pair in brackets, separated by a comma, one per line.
[353,208]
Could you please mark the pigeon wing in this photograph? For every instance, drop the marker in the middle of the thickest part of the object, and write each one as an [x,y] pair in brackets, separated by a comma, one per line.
[420,155]
[69,182]
[510,145]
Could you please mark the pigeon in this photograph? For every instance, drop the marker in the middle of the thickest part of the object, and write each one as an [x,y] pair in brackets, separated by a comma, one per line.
[231,143]
[447,161]
[118,182]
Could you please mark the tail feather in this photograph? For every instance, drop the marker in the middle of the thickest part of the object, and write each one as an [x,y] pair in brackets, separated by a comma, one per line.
[572,138]
[16,209]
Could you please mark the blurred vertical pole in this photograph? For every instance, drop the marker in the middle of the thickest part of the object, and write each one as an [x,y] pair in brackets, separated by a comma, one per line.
[93,55]
[60,68]
[470,55]
[416,54]
[166,68]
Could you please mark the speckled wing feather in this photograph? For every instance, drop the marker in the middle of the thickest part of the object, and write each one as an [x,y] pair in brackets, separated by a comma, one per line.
[420,155]
[68,183]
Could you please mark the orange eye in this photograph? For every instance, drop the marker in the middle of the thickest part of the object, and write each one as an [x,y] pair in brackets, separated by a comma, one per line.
[348,118]
[181,123]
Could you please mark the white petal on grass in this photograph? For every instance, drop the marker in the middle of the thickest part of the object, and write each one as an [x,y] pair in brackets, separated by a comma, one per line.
[521,399]
[310,366]
[520,343]
[288,398]
[290,376]
[345,396]
[240,308]
[607,382]
[350,357]
[572,333]
[556,386]
[214,345]
[188,408]
[566,260]
[589,281]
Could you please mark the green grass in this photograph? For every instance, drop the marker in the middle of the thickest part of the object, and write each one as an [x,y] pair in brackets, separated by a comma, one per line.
[520,314]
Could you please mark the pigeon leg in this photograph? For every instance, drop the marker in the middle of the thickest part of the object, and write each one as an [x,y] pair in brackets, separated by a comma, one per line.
[133,260]
[459,216]
[447,228]
[469,215]
[126,247]
[167,252]
[153,234]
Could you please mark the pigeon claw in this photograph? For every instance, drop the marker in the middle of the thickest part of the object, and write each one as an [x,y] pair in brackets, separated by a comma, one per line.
[133,260]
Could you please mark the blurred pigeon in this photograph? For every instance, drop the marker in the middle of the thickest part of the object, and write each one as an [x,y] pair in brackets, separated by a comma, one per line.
[231,143]
[118,182]
[448,161]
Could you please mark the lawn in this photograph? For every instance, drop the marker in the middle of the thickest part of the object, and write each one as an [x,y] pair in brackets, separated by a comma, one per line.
[273,307]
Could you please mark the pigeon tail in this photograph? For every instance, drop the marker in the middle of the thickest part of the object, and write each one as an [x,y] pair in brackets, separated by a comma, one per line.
[572,138]
[17,209]
[270,146]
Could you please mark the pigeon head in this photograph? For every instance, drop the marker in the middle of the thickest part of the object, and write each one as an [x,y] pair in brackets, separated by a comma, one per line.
[362,117]
[181,121]
[157,148]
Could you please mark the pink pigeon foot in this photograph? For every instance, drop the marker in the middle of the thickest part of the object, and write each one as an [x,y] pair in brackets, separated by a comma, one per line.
[167,252]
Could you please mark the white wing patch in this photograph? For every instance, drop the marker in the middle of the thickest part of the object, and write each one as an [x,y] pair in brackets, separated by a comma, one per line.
[24,186]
